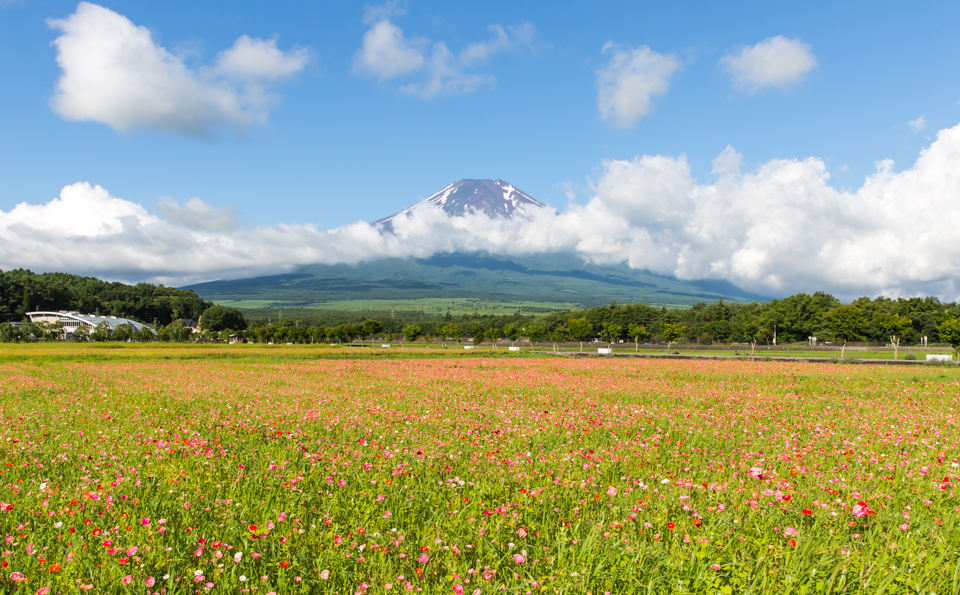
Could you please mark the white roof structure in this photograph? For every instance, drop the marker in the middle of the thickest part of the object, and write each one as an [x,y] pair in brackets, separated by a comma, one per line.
[74,320]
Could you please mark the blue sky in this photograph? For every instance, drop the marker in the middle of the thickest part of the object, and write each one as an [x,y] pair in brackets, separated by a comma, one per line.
[341,142]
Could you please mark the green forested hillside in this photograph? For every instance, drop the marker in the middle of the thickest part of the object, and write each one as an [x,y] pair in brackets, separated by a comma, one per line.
[543,278]
[23,291]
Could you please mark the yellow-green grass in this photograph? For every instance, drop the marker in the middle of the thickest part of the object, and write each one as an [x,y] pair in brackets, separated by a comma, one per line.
[436,306]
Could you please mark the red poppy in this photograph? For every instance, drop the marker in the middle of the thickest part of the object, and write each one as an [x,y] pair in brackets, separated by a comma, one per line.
[670,526]
[284,564]
[252,527]
[807,511]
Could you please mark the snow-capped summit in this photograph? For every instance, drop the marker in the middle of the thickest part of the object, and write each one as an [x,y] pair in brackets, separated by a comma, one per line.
[496,198]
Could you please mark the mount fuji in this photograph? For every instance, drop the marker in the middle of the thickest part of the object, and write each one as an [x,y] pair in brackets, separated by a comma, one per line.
[543,278]
[495,198]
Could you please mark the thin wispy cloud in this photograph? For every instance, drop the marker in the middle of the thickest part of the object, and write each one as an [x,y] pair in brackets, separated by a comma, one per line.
[918,125]
[775,62]
[113,72]
[432,68]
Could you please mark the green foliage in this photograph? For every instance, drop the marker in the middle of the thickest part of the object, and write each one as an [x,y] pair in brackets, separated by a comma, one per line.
[512,331]
[580,329]
[412,332]
[174,332]
[81,334]
[846,323]
[372,327]
[23,291]
[478,331]
[452,330]
[102,332]
[219,318]
[560,334]
[798,316]
[890,324]
[535,332]
[673,332]
[637,332]
[611,332]
[10,333]
[949,332]
[145,334]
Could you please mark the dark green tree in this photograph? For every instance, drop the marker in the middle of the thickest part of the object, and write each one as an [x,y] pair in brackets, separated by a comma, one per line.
[512,331]
[673,332]
[559,335]
[949,332]
[580,330]
[478,331]
[219,318]
[845,323]
[124,332]
[412,332]
[639,333]
[535,332]
[611,332]
[102,332]
[891,327]
[495,333]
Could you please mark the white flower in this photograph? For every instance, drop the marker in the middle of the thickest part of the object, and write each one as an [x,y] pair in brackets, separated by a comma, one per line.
[43,486]
[243,578]
[664,481]
[166,576]
[197,572]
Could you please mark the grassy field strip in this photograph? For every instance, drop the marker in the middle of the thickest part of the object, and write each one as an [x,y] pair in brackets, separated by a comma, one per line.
[436,306]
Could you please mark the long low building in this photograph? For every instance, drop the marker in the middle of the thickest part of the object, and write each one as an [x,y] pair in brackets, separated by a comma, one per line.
[74,320]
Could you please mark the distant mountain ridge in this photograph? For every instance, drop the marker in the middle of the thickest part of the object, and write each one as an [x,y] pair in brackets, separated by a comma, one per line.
[495,198]
[540,278]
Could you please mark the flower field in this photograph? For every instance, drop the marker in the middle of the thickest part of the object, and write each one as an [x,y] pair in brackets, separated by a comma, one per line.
[476,475]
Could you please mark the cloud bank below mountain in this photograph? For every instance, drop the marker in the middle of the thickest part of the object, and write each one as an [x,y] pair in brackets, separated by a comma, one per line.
[776,230]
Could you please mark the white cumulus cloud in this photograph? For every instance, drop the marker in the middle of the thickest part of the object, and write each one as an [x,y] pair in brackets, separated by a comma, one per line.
[629,80]
[253,59]
[775,230]
[774,62]
[387,53]
[113,72]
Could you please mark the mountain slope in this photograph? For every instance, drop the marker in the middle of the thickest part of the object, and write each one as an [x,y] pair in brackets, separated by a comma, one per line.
[543,278]
[496,198]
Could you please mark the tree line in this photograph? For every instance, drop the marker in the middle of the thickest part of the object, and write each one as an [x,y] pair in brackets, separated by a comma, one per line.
[900,321]
[23,291]
[793,319]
